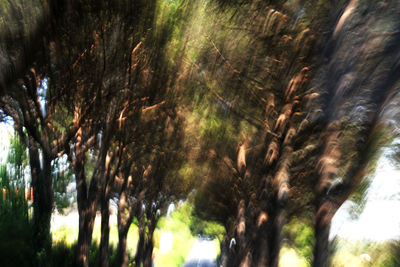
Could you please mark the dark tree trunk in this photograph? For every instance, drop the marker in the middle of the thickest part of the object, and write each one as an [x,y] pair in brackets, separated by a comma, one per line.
[123,229]
[42,184]
[149,246]
[105,231]
[275,241]
[122,242]
[148,253]
[231,246]
[87,207]
[232,257]
[262,253]
[87,204]
[246,258]
[86,222]
[261,246]
[105,215]
[88,199]
[124,223]
[323,222]
[224,247]
[243,254]
[140,246]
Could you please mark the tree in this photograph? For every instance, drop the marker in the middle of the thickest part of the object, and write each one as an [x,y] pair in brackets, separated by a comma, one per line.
[258,76]
[357,101]
[29,99]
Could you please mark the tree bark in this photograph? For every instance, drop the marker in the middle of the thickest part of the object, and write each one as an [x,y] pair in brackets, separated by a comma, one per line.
[86,223]
[42,184]
[224,247]
[261,245]
[149,246]
[105,231]
[124,223]
[148,253]
[141,243]
[87,214]
[122,242]
[275,241]
[323,222]
[242,256]
[87,201]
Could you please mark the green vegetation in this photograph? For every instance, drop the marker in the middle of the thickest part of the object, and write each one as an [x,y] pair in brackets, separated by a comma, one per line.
[300,236]
[15,230]
[183,241]
[184,227]
[182,224]
[16,238]
[382,254]
[65,238]
[261,118]
[69,235]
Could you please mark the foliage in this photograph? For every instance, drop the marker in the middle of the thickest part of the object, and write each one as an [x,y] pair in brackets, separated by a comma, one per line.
[68,235]
[62,175]
[300,236]
[15,223]
[382,254]
[185,228]
[271,108]
[183,241]
[15,230]
[63,255]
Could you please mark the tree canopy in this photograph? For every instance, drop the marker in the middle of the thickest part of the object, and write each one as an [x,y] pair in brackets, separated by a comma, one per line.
[263,112]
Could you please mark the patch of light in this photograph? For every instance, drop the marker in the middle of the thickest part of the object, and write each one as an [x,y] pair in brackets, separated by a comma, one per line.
[166,241]
[42,96]
[380,219]
[6,131]
[202,250]
[171,209]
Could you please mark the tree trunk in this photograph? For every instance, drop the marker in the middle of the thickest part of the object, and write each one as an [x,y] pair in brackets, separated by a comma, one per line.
[126,213]
[124,223]
[87,204]
[42,184]
[105,231]
[148,252]
[247,259]
[231,246]
[323,222]
[232,257]
[88,199]
[241,233]
[122,242]
[84,240]
[86,223]
[140,246]
[261,246]
[123,228]
[224,247]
